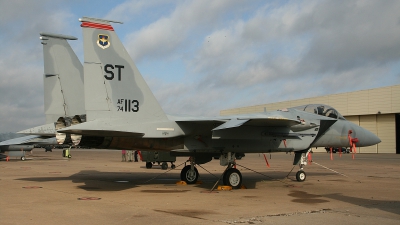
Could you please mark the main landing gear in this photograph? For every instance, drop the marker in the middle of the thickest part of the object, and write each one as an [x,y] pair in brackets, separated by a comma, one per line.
[231,177]
[189,173]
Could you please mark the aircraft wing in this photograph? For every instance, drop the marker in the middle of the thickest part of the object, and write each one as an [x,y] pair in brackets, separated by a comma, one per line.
[100,133]
[264,120]
[123,128]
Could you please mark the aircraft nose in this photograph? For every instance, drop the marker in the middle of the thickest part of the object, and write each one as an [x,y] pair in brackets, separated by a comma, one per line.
[366,137]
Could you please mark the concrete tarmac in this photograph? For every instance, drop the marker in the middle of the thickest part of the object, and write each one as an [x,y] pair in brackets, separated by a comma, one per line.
[95,187]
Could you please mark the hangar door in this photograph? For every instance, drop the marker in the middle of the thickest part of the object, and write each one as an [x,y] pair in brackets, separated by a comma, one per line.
[397,133]
[386,132]
[369,122]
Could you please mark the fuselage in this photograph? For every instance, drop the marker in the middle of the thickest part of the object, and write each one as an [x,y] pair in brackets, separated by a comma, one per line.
[310,130]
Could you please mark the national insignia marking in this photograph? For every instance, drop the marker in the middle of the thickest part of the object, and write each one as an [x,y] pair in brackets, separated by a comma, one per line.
[103,41]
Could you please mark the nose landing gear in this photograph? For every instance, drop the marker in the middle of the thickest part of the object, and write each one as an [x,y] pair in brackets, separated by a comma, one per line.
[301,159]
[301,176]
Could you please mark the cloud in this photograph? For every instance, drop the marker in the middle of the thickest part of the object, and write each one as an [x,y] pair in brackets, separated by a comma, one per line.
[290,51]
[127,10]
[173,32]
[365,32]
[21,60]
[332,43]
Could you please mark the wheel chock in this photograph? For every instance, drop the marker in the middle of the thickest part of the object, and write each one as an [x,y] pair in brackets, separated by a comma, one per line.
[224,188]
[199,182]
[181,182]
[243,187]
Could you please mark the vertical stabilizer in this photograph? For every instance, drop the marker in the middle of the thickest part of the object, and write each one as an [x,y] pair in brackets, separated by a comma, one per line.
[114,87]
[63,78]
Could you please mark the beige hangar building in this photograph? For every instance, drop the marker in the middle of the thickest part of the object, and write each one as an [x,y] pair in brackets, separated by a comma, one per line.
[377,110]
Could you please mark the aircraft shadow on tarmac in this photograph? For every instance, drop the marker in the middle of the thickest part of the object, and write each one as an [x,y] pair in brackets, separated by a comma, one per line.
[93,180]
[384,205]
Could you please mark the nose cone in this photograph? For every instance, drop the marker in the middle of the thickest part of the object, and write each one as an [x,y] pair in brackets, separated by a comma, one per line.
[365,137]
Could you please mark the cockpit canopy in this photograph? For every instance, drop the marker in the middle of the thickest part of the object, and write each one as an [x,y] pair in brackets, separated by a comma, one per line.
[321,109]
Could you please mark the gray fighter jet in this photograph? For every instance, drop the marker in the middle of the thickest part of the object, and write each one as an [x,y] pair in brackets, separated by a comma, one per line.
[63,96]
[122,113]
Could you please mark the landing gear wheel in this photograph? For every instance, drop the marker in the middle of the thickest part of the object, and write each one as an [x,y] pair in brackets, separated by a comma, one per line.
[188,175]
[233,177]
[301,176]
[149,165]
[69,156]
[173,166]
[164,166]
[23,158]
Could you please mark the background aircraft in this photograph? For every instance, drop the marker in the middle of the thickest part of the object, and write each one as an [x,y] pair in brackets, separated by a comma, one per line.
[122,113]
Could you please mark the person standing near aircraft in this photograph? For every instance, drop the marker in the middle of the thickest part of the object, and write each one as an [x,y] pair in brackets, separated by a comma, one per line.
[130,153]
[123,156]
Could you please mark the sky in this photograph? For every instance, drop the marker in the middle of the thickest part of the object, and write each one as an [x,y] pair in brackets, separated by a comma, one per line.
[203,56]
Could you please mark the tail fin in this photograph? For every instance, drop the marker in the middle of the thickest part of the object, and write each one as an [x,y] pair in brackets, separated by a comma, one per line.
[114,87]
[63,78]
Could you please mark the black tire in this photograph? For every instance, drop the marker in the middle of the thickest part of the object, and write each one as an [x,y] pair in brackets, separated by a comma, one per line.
[189,176]
[173,166]
[233,177]
[301,176]
[23,158]
[149,165]
[69,156]
[164,165]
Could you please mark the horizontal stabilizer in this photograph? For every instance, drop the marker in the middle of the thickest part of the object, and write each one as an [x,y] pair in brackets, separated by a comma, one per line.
[17,141]
[31,139]
[43,130]
[101,129]
[44,141]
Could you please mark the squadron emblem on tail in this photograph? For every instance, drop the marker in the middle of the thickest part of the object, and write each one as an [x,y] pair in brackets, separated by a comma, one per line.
[103,41]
